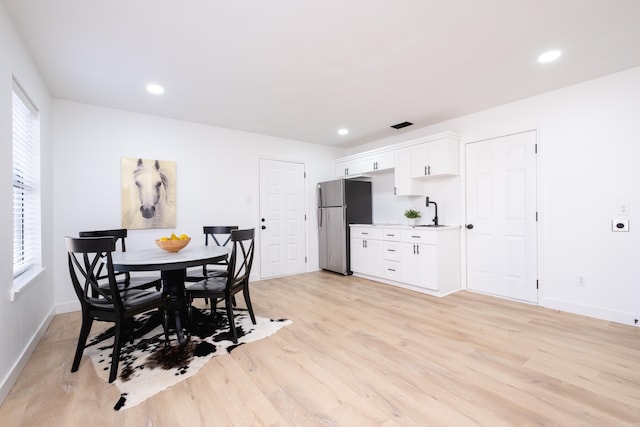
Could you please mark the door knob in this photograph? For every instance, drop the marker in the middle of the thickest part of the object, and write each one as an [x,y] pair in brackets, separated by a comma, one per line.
[264,227]
[470,226]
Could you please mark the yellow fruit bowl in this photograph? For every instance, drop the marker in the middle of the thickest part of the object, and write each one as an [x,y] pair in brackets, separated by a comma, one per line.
[173,245]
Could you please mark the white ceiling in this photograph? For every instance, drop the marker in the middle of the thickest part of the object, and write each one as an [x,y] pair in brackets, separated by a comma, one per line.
[301,69]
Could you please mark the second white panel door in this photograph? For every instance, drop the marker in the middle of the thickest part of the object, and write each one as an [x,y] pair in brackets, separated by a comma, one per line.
[501,216]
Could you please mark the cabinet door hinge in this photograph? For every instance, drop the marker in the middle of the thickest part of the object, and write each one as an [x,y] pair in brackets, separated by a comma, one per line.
[305,175]
[536,216]
[305,217]
[536,148]
[537,285]
[305,260]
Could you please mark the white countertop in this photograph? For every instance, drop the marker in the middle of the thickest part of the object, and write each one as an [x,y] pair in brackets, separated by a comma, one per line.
[407,227]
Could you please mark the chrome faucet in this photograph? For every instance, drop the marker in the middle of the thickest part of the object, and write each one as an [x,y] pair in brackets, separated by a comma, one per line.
[435,218]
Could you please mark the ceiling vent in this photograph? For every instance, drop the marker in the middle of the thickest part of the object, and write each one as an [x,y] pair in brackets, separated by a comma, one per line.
[401,125]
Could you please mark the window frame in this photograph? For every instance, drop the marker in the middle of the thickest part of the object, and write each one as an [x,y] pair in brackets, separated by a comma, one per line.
[27,237]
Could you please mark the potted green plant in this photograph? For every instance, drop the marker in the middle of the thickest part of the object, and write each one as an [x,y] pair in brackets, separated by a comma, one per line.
[412,215]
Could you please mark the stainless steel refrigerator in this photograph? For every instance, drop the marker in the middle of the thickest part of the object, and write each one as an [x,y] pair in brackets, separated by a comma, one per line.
[340,203]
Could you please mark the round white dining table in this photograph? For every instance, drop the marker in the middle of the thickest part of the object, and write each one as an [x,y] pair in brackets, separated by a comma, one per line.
[173,270]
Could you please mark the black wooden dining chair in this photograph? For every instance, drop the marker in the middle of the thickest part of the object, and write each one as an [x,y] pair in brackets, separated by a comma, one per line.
[125,279]
[236,280]
[216,235]
[90,258]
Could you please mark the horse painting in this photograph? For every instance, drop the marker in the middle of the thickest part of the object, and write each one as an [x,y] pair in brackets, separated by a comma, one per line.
[148,198]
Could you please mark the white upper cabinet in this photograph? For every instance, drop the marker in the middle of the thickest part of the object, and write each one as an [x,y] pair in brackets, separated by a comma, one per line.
[417,159]
[405,184]
[435,158]
[365,164]
[351,167]
[379,162]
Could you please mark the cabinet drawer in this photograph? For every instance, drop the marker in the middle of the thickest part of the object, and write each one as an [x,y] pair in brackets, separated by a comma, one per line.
[391,235]
[392,270]
[367,232]
[420,236]
[392,251]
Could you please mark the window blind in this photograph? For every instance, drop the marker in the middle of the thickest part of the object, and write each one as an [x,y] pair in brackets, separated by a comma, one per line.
[26,177]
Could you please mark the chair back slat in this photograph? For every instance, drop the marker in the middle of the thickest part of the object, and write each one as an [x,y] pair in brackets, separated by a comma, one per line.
[119,235]
[218,232]
[221,236]
[241,258]
[87,257]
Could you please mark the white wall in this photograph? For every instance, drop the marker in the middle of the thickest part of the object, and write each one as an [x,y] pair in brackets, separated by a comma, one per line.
[589,143]
[217,176]
[25,319]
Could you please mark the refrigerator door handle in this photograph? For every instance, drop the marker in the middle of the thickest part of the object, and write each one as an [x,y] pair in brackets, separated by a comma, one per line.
[319,217]
[319,196]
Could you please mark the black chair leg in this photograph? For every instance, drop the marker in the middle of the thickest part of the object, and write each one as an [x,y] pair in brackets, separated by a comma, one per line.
[232,322]
[115,356]
[129,328]
[247,300]
[82,341]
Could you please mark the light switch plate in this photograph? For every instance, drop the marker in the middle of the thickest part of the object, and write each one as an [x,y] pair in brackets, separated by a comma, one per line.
[623,208]
[619,225]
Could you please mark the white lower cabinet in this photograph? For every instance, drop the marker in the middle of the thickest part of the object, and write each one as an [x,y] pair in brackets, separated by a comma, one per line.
[419,265]
[392,259]
[366,256]
[392,269]
[420,259]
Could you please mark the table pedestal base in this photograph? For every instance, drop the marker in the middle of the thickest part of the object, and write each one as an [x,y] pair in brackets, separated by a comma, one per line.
[173,289]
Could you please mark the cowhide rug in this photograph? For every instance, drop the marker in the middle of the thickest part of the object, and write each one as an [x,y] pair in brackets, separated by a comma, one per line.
[146,367]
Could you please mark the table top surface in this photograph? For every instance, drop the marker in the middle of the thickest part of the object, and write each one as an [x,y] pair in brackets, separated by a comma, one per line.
[158,259]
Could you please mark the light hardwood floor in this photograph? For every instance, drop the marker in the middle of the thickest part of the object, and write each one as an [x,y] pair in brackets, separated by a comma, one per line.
[361,353]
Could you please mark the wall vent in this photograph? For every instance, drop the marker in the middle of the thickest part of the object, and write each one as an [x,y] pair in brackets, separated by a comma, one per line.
[401,125]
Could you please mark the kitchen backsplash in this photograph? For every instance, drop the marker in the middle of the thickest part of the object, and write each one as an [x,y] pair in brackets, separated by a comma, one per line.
[389,209]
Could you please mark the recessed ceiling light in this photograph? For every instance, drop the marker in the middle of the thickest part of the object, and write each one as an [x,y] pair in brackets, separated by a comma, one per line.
[343,131]
[155,89]
[549,56]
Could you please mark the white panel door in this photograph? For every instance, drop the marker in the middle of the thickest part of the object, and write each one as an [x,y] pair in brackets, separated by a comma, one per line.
[501,216]
[282,218]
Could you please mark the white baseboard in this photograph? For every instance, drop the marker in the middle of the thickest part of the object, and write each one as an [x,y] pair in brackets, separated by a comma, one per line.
[439,294]
[591,311]
[68,307]
[16,370]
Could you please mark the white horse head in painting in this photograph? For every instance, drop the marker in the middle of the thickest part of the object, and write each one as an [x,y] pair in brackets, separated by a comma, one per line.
[151,183]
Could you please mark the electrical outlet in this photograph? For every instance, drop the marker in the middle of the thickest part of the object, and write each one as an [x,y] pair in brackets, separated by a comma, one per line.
[619,225]
[580,281]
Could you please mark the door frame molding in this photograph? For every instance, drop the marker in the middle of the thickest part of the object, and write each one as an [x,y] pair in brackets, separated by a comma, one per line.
[539,205]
